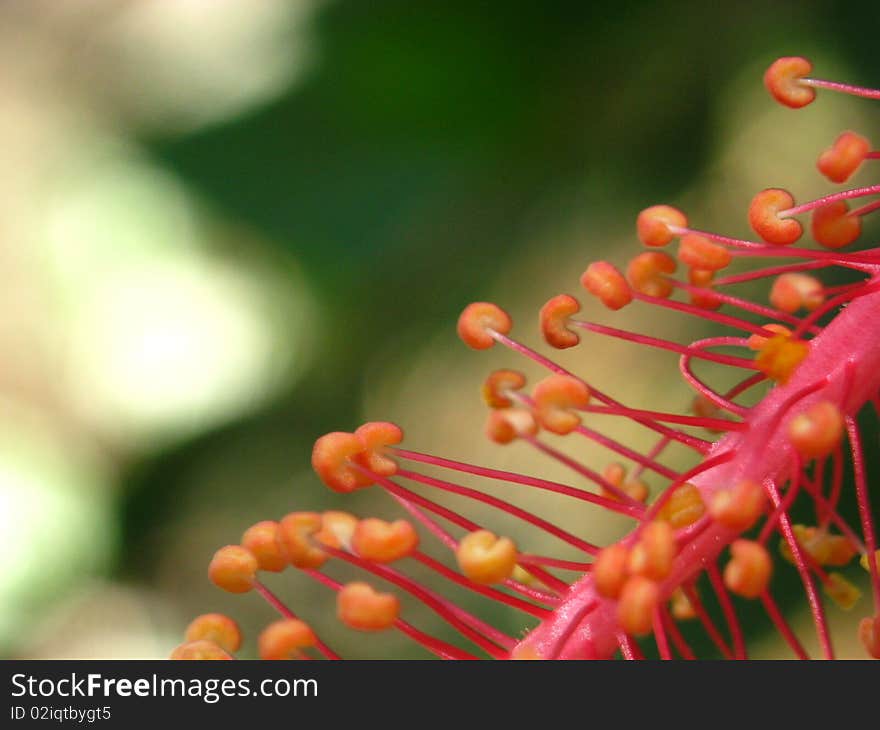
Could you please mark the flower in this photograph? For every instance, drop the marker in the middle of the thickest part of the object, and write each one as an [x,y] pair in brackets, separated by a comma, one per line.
[810,348]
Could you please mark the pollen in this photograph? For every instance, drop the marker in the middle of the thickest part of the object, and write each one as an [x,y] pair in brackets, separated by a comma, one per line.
[833,227]
[699,252]
[295,534]
[740,507]
[779,357]
[384,542]
[639,599]
[215,627]
[794,291]
[285,639]
[498,386]
[815,432]
[554,321]
[508,424]
[756,342]
[784,81]
[556,397]
[607,284]
[479,320]
[653,553]
[233,569]
[610,570]
[653,224]
[749,569]
[765,220]
[202,650]
[844,594]
[485,558]
[647,273]
[331,460]
[261,540]
[681,606]
[683,507]
[359,606]
[840,161]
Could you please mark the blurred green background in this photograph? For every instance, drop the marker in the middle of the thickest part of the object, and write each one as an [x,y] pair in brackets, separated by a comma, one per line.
[228,226]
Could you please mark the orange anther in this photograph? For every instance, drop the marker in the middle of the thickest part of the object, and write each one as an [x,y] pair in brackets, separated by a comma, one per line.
[233,569]
[554,321]
[361,607]
[478,320]
[653,553]
[749,569]
[610,570]
[337,529]
[841,591]
[738,508]
[638,601]
[285,639]
[652,225]
[764,217]
[833,227]
[508,424]
[784,81]
[843,158]
[869,635]
[779,357]
[702,278]
[201,650]
[681,606]
[485,558]
[704,408]
[793,291]
[822,546]
[606,283]
[555,398]
[646,273]
[816,431]
[616,475]
[499,384]
[332,458]
[296,539]
[699,252]
[684,506]
[262,540]
[375,437]
[863,560]
[757,342]
[384,542]
[215,627]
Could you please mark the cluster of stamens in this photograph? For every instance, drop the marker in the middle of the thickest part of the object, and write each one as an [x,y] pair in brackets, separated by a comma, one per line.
[809,347]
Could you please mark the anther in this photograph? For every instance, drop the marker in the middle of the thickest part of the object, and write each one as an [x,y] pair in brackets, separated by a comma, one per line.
[508,424]
[361,607]
[841,591]
[233,569]
[794,291]
[331,460]
[756,342]
[869,635]
[647,274]
[384,542]
[485,558]
[610,570]
[295,540]
[606,283]
[844,157]
[634,488]
[554,321]
[833,227]
[215,627]
[699,252]
[556,397]
[681,606]
[497,387]
[285,639]
[703,278]
[653,553]
[764,217]
[638,601]
[375,437]
[199,651]
[653,224]
[337,529]
[779,356]
[683,507]
[749,569]
[478,320]
[261,540]
[815,432]
[740,507]
[784,81]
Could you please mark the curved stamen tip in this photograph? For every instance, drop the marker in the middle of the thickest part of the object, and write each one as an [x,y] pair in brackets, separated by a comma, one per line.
[784,80]
[554,321]
[654,225]
[216,627]
[477,322]
[359,606]
[606,283]
[647,274]
[765,220]
[285,639]
[833,227]
[840,161]
[556,398]
[498,386]
[340,458]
